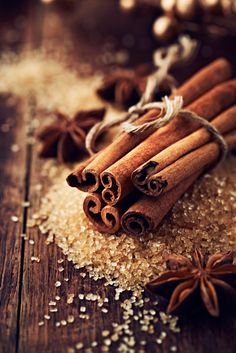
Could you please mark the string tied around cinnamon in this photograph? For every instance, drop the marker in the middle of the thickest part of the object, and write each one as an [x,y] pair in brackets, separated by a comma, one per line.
[164,59]
[169,109]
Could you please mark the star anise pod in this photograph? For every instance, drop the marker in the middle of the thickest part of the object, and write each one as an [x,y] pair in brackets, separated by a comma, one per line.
[124,88]
[189,280]
[65,138]
[121,88]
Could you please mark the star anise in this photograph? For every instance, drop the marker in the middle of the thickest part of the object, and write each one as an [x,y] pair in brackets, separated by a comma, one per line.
[122,88]
[65,138]
[189,280]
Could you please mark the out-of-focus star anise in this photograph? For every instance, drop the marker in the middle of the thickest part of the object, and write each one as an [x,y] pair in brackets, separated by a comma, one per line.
[124,87]
[188,280]
[65,138]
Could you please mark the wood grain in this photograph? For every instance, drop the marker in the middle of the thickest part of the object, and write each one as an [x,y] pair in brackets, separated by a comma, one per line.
[12,181]
[13,178]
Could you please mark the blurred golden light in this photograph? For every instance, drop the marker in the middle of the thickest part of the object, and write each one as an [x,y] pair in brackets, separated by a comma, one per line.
[186,9]
[47,1]
[164,27]
[167,5]
[127,4]
[209,4]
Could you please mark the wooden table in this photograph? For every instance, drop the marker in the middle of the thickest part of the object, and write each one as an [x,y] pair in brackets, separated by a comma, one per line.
[26,287]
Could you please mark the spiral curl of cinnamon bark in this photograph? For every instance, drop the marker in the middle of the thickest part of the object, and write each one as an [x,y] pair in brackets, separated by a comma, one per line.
[105,218]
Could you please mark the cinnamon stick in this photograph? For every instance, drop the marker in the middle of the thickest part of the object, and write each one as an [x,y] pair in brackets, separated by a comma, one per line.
[116,179]
[185,166]
[201,82]
[146,177]
[77,176]
[146,214]
[87,179]
[105,218]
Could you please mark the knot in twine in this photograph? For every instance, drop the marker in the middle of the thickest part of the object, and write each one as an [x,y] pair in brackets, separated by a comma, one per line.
[164,59]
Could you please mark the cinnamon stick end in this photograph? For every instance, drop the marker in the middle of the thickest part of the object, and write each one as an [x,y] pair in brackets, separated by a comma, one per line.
[136,223]
[72,180]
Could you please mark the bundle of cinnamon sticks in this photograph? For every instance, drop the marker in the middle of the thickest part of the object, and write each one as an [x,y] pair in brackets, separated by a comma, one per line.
[136,180]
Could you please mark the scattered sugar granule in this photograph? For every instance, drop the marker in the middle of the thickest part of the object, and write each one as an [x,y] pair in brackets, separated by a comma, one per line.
[35,259]
[53,310]
[105,333]
[15,148]
[70,298]
[82,309]
[14,219]
[57,284]
[52,303]
[26,204]
[79,345]
[70,319]
[104,310]
[47,317]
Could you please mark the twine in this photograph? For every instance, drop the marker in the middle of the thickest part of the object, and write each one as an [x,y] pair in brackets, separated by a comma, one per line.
[169,109]
[164,59]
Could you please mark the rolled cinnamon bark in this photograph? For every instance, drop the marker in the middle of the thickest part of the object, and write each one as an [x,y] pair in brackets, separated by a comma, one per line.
[87,179]
[105,218]
[144,177]
[116,179]
[146,214]
[185,166]
[77,176]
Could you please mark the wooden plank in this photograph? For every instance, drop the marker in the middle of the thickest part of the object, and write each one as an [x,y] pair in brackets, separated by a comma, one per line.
[13,177]
[12,181]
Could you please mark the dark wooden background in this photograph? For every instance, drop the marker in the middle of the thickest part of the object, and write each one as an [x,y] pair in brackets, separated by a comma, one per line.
[26,287]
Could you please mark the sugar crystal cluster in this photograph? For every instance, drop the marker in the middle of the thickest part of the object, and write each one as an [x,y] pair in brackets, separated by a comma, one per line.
[204,218]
